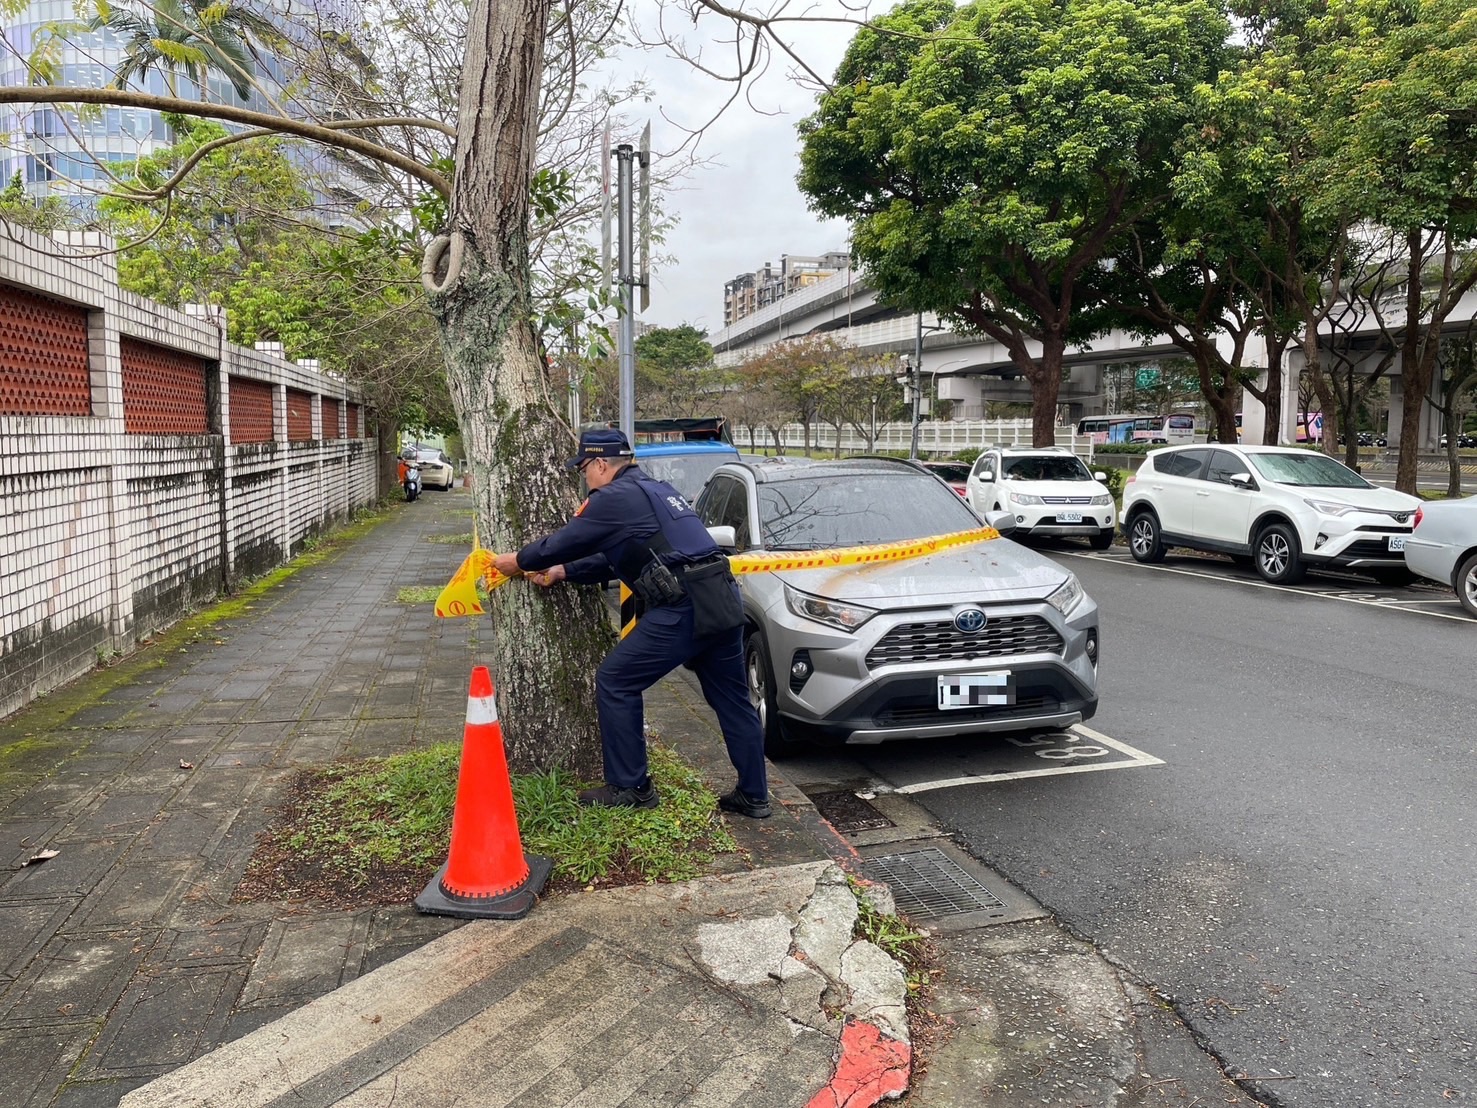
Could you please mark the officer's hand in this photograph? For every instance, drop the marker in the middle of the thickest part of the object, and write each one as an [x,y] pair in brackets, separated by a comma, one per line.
[506,564]
[551,576]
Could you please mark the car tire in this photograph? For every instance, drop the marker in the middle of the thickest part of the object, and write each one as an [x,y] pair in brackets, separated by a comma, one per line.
[759,674]
[1102,540]
[1279,558]
[1144,540]
[1466,584]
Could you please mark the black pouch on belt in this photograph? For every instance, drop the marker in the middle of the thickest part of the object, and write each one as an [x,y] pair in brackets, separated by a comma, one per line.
[657,586]
[716,604]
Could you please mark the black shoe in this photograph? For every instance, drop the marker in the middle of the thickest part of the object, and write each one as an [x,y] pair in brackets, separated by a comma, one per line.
[745,805]
[610,796]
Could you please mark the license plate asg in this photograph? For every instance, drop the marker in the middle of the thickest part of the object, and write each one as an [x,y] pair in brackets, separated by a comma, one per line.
[976,690]
[1397,542]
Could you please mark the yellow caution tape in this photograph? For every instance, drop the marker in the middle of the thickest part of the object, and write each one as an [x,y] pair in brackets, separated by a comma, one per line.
[858,555]
[459,598]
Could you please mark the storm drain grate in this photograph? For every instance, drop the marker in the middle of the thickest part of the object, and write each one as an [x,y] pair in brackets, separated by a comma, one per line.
[930,883]
[849,813]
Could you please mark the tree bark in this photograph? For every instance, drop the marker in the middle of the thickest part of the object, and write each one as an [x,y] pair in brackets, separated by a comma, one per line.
[1046,385]
[548,641]
[1415,369]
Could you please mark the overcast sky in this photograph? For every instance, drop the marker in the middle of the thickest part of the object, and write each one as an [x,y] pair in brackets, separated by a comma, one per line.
[745,210]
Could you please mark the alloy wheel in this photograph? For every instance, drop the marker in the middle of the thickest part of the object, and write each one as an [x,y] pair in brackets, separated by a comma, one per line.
[1143,537]
[1275,554]
[757,692]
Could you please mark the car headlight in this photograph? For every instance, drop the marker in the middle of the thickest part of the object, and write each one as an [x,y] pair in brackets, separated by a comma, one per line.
[1068,596]
[1331,507]
[846,617]
[1101,501]
[1023,498]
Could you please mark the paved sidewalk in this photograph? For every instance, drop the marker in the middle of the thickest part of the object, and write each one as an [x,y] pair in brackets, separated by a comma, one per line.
[128,975]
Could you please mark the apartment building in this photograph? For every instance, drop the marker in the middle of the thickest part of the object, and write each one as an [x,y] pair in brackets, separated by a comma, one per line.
[749,292]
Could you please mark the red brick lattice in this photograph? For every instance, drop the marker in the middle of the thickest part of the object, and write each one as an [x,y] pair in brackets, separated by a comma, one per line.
[163,391]
[251,411]
[356,429]
[330,418]
[299,416]
[43,356]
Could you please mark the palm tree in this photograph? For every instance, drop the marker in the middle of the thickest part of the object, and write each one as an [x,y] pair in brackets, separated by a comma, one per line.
[193,36]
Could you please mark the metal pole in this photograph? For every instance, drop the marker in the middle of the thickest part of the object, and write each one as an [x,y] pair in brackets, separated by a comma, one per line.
[627,339]
[917,387]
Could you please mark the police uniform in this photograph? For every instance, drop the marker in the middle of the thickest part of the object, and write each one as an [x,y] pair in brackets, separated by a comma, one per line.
[625,527]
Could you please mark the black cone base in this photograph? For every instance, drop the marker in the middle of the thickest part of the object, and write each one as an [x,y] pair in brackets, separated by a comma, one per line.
[515,904]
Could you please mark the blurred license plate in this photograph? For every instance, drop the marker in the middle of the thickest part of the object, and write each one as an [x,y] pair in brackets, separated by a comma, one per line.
[1069,517]
[1397,542]
[976,690]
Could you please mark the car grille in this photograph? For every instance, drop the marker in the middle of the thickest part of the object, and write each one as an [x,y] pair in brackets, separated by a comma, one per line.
[940,641]
[1066,500]
[1370,548]
[906,712]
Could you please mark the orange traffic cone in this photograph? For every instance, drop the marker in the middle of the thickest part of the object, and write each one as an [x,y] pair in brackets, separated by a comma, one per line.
[486,875]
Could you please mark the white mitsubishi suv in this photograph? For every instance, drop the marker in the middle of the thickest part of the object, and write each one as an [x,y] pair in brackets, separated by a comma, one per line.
[1278,508]
[1047,489]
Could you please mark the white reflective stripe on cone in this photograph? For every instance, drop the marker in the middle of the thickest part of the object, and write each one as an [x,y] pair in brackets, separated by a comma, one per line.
[481,709]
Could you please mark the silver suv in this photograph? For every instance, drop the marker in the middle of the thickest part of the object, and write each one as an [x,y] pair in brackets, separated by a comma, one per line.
[1279,508]
[982,637]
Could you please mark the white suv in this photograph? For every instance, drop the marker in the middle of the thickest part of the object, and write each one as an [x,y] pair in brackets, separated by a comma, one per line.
[1278,508]
[1047,489]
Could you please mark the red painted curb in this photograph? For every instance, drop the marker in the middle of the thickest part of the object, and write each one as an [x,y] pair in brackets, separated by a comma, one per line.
[871,1067]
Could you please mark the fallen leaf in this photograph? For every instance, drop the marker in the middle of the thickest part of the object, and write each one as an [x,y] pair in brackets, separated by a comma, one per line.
[186,765]
[40,856]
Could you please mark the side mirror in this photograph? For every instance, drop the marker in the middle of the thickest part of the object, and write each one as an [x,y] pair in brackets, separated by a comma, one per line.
[987,475]
[723,537]
[1003,522]
[1099,475]
[1243,481]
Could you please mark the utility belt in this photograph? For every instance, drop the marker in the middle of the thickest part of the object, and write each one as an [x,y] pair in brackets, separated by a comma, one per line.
[707,582]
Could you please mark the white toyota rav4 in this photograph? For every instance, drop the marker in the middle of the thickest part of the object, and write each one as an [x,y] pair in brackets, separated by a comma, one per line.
[1047,489]
[1278,508]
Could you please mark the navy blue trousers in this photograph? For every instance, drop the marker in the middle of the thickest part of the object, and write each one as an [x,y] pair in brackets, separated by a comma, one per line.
[662,641]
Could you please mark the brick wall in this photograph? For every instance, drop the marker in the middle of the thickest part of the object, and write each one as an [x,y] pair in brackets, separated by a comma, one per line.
[132,488]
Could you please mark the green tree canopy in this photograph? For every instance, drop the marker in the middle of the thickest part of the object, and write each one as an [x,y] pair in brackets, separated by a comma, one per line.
[990,157]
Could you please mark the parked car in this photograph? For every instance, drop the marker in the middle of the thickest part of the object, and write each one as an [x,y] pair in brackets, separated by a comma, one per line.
[1047,489]
[1444,546]
[686,466]
[1280,509]
[953,474]
[437,472]
[987,636]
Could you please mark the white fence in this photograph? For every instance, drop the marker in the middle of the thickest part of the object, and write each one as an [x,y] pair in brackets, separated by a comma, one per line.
[935,438]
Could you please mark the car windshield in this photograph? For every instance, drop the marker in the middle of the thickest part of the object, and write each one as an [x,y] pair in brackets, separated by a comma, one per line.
[1307,469]
[687,473]
[816,513]
[428,455]
[1046,467]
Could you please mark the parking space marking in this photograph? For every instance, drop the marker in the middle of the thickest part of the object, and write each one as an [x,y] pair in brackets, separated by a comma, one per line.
[1079,742]
[1369,600]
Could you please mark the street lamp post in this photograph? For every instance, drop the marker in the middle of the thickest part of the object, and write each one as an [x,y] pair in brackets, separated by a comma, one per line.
[917,387]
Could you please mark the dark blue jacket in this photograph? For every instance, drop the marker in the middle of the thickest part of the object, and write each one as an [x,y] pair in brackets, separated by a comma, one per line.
[596,544]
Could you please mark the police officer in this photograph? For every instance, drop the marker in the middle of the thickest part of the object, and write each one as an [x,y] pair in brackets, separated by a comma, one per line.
[644,532]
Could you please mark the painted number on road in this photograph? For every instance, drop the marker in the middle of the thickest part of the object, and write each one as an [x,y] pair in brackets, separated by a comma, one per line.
[1059,746]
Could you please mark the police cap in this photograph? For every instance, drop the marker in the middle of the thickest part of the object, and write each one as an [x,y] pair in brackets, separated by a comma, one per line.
[601,442]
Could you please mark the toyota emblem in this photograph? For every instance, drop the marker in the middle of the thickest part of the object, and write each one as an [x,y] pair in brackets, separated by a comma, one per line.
[971,621]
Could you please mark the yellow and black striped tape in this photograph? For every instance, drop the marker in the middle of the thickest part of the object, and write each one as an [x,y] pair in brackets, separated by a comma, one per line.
[876,554]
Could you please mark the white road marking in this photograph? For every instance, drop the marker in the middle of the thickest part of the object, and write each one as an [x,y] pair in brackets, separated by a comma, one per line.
[1134,758]
[1373,603]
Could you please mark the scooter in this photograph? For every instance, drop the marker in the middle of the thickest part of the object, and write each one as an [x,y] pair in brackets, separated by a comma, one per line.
[412,483]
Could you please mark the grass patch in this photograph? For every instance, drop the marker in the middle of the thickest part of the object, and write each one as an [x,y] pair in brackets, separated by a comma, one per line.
[374,831]
[464,539]
[419,594]
[891,933]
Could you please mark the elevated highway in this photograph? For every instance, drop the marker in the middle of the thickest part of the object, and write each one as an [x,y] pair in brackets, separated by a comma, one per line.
[974,370]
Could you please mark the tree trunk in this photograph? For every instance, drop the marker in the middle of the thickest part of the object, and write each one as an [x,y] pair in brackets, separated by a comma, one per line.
[548,642]
[1046,385]
[1415,376]
[1272,427]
